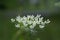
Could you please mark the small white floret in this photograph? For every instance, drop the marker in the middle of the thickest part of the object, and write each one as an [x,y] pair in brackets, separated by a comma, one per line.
[31,26]
[48,21]
[41,26]
[17,25]
[13,20]
[18,18]
[30,22]
[38,16]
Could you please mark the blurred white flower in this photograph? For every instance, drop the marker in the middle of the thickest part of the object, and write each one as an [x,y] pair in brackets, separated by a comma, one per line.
[34,23]
[13,20]
[17,25]
[48,21]
[25,24]
[28,17]
[31,17]
[41,19]
[18,18]
[41,26]
[37,22]
[31,26]
[30,22]
[24,18]
[38,16]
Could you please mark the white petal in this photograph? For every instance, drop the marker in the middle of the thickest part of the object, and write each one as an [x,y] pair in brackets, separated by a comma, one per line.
[12,20]
[48,21]
[29,22]
[34,24]
[38,16]
[31,27]
[37,22]
[17,25]
[32,17]
[18,18]
[42,23]
[36,19]
[24,18]
[41,26]
[25,24]
[41,19]
[28,16]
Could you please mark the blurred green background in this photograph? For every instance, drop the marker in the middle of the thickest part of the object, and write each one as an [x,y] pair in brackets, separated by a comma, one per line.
[49,9]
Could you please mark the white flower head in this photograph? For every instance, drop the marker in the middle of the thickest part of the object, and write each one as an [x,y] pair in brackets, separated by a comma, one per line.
[30,22]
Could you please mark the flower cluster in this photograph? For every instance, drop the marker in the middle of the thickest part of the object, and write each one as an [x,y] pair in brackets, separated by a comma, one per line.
[30,22]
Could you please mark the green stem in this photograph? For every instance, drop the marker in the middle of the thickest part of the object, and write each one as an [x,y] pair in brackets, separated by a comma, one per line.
[16,35]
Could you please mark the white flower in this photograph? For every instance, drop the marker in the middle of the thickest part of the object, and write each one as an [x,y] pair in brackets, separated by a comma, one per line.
[24,18]
[47,21]
[13,20]
[36,19]
[42,23]
[34,23]
[32,17]
[18,18]
[31,26]
[38,16]
[28,17]
[41,26]
[17,25]
[25,24]
[37,22]
[30,22]
[41,19]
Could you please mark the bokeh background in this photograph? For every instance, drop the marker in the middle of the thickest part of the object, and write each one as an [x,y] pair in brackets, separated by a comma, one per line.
[49,9]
